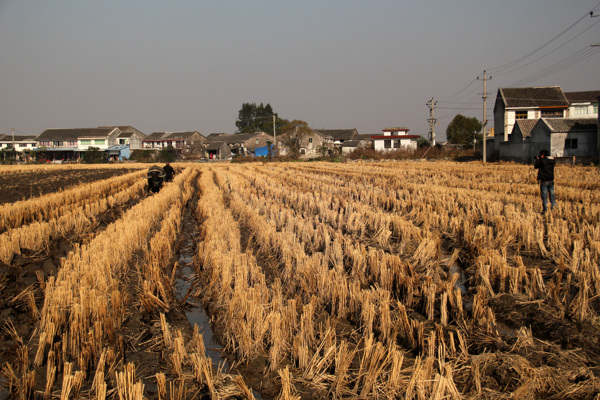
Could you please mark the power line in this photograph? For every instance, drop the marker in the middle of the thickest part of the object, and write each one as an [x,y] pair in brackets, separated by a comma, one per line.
[559,66]
[550,52]
[462,90]
[500,68]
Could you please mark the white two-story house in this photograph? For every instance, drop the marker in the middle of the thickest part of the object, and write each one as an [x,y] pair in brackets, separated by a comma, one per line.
[395,139]
[18,142]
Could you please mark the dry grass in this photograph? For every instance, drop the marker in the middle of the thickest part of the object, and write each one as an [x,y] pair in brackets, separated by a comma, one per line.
[343,277]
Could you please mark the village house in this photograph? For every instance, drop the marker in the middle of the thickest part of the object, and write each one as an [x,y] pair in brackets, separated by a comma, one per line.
[395,139]
[68,144]
[18,142]
[217,150]
[530,119]
[129,136]
[571,138]
[513,104]
[583,104]
[241,144]
[338,136]
[316,144]
[183,142]
[361,141]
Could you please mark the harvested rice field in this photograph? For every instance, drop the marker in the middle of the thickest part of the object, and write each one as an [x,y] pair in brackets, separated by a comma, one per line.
[412,280]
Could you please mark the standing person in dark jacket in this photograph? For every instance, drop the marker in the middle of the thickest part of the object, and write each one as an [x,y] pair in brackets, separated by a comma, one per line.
[169,172]
[545,166]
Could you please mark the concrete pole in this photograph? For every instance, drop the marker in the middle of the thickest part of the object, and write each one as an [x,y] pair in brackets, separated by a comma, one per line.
[483,120]
[431,103]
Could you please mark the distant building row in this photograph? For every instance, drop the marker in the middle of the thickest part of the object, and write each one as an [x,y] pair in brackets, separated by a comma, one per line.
[118,141]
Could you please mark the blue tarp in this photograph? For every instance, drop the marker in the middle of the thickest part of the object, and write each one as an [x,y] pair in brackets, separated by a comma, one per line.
[120,150]
[263,151]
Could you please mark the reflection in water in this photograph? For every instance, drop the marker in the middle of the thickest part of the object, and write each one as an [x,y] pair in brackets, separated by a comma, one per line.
[197,315]
[460,283]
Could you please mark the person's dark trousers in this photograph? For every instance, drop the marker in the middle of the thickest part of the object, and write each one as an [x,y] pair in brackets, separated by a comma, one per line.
[547,189]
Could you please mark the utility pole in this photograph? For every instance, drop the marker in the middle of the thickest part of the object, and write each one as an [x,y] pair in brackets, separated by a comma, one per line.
[274,133]
[483,120]
[431,104]
[13,141]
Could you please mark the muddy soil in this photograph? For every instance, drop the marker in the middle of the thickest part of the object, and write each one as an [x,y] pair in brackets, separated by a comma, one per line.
[27,273]
[25,185]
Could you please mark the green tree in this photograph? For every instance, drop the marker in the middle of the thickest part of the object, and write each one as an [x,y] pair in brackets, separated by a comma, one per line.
[422,142]
[168,154]
[293,135]
[93,155]
[462,130]
[258,118]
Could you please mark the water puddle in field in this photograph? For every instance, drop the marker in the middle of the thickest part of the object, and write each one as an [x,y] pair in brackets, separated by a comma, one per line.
[460,283]
[4,393]
[196,313]
[504,330]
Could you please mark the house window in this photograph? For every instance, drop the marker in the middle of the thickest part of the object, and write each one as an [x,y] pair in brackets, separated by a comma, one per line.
[387,144]
[570,144]
[552,113]
[596,108]
[71,143]
[302,151]
[86,142]
[397,144]
[22,145]
[56,143]
[99,141]
[580,110]
[122,141]
[310,140]
[255,141]
[520,114]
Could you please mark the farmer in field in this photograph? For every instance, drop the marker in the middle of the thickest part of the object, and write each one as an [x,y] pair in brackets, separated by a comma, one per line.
[156,176]
[169,172]
[544,163]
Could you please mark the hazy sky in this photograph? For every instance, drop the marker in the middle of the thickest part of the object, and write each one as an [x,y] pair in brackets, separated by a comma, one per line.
[336,64]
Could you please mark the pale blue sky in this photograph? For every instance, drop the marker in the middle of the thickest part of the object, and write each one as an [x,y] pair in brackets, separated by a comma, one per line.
[189,65]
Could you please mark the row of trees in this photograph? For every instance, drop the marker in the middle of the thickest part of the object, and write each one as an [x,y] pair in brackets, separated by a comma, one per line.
[259,117]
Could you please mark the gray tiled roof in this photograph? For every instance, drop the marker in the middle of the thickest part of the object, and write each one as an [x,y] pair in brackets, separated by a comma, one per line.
[155,136]
[232,139]
[339,134]
[351,143]
[582,97]
[572,124]
[73,134]
[18,138]
[525,126]
[215,145]
[126,130]
[548,96]
[180,135]
[169,135]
